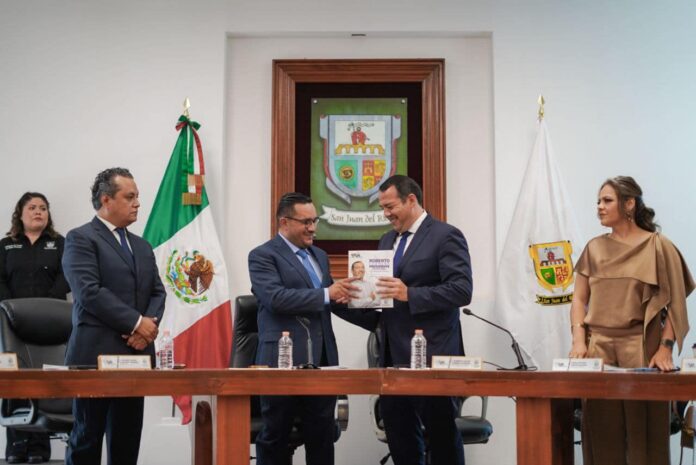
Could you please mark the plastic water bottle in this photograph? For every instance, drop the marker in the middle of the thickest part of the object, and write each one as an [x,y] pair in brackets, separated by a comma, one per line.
[166,352]
[418,350]
[285,351]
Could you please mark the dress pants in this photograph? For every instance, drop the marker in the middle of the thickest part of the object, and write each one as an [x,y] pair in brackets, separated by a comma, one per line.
[121,419]
[617,432]
[318,429]
[404,417]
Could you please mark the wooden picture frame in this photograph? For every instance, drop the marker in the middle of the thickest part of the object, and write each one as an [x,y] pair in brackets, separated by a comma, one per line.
[429,74]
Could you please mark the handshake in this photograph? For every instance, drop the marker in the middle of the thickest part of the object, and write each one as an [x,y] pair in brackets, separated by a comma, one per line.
[145,334]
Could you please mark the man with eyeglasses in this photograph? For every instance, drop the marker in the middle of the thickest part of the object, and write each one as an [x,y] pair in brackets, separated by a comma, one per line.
[291,280]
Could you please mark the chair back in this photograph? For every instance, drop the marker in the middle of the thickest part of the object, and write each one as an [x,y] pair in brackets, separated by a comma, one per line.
[246,332]
[37,330]
[245,341]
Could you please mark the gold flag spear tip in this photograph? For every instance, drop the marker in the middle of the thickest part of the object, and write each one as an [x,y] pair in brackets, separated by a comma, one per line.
[541,102]
[187,105]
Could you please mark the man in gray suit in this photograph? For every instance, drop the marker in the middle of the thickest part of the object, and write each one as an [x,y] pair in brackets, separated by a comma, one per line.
[118,301]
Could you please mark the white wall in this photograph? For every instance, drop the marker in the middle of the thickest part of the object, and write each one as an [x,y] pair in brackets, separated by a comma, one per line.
[86,85]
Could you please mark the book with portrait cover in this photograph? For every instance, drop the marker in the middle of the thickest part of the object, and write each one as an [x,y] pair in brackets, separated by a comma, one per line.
[368,266]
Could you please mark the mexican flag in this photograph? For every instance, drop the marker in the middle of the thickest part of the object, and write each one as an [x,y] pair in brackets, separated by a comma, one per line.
[182,233]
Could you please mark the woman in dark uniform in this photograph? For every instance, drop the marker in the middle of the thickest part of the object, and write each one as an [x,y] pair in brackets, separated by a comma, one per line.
[30,266]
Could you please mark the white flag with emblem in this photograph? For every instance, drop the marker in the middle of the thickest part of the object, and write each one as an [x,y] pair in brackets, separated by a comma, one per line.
[536,270]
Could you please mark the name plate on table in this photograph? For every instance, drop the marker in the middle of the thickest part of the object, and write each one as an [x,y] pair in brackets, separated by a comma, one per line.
[453,362]
[577,364]
[8,361]
[688,365]
[123,362]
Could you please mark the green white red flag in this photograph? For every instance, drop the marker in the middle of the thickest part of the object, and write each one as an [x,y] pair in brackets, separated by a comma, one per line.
[182,233]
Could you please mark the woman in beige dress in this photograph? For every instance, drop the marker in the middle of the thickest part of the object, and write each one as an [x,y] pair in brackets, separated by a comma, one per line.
[629,309]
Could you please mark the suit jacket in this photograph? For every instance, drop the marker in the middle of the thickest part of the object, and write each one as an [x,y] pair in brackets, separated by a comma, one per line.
[284,291]
[110,292]
[437,270]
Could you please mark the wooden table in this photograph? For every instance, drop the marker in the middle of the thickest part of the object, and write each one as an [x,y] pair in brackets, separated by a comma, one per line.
[544,399]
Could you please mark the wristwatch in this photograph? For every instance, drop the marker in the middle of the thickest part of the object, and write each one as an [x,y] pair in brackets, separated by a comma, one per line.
[669,343]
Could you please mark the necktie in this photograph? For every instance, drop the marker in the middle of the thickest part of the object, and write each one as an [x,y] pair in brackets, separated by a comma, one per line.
[124,244]
[400,249]
[310,269]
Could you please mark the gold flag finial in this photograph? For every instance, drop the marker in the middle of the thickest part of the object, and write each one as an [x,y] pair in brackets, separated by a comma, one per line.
[187,105]
[541,102]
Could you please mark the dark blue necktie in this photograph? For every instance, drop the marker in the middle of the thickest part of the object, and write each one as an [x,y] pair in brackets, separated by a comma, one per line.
[124,243]
[310,269]
[400,249]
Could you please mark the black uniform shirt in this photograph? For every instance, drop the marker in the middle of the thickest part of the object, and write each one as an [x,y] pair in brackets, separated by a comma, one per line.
[32,270]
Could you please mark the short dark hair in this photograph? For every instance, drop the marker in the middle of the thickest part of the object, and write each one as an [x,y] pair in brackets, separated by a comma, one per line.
[104,184]
[17,227]
[404,187]
[286,205]
[352,267]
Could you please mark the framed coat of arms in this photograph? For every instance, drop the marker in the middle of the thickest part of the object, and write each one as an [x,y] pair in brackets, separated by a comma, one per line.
[356,145]
[342,127]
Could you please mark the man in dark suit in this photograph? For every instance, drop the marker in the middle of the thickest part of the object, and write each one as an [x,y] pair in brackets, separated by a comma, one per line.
[432,279]
[291,280]
[118,300]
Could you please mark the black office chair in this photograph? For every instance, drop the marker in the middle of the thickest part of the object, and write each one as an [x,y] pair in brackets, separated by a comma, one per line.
[474,429]
[244,344]
[37,330]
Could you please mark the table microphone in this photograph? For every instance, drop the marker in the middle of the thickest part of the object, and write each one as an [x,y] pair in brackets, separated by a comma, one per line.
[304,322]
[515,346]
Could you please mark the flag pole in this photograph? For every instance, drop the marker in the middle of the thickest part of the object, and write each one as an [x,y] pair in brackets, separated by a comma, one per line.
[541,103]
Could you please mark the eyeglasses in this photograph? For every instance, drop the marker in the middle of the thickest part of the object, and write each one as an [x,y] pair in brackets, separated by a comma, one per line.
[306,222]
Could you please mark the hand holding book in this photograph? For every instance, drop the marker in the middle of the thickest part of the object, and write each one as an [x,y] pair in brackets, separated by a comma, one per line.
[392,288]
[342,291]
